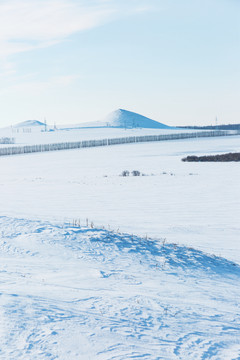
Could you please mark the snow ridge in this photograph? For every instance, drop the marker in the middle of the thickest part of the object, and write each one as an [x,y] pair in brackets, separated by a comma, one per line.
[126,120]
[129,119]
[29,123]
[83,293]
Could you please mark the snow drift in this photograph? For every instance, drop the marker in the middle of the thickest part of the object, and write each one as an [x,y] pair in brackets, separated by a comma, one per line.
[87,293]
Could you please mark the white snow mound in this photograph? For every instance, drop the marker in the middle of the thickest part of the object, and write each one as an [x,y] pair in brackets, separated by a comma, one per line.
[29,123]
[126,119]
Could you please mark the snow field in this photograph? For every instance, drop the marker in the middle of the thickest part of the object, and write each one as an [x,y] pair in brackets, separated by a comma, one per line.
[71,135]
[84,293]
[193,204]
[163,285]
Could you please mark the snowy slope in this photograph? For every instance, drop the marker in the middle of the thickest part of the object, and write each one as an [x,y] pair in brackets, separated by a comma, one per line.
[78,293]
[29,123]
[126,119]
[119,119]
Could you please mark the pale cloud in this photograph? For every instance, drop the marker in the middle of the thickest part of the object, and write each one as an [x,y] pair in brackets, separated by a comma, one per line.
[144,9]
[39,87]
[7,68]
[141,6]
[26,25]
[29,24]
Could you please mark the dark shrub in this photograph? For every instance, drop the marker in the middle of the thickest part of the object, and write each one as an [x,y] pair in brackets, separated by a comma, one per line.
[136,173]
[215,158]
[125,173]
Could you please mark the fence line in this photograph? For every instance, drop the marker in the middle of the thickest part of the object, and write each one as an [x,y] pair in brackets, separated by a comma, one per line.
[15,150]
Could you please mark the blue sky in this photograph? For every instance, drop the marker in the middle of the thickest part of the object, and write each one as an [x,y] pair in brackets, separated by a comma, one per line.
[71,61]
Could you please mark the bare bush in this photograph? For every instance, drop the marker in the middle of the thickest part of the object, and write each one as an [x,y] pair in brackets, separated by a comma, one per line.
[125,173]
[136,173]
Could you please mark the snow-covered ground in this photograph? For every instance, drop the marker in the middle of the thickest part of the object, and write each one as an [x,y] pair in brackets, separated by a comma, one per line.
[189,203]
[70,293]
[91,293]
[65,135]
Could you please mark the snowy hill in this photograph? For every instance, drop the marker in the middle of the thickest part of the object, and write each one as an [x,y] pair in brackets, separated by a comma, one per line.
[29,123]
[118,119]
[29,126]
[126,119]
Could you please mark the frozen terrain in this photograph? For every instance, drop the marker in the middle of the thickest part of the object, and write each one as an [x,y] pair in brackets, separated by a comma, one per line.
[195,204]
[30,124]
[106,290]
[37,136]
[121,119]
[70,293]
[119,123]
[127,119]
